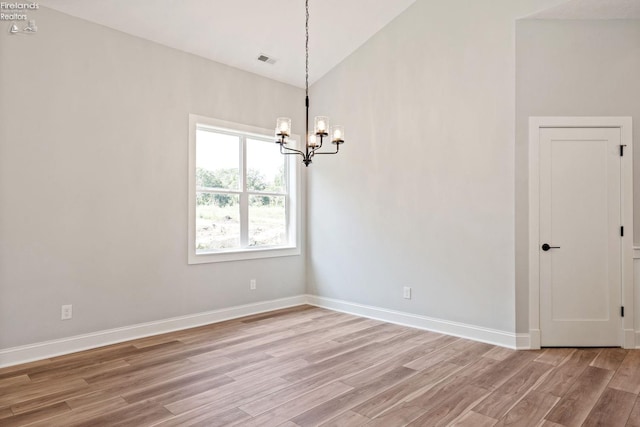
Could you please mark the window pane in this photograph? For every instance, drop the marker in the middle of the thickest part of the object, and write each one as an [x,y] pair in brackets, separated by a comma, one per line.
[217,160]
[217,222]
[267,221]
[265,167]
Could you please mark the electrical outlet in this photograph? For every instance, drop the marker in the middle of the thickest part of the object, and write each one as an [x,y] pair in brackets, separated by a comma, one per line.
[66,312]
[252,284]
[406,292]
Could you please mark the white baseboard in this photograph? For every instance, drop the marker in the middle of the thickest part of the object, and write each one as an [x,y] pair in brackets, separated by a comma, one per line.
[44,350]
[523,342]
[47,349]
[476,333]
[534,339]
[629,338]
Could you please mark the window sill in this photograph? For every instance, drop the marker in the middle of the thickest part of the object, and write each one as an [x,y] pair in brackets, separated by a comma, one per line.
[242,255]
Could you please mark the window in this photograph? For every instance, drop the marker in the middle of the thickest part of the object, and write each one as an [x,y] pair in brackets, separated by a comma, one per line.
[243,194]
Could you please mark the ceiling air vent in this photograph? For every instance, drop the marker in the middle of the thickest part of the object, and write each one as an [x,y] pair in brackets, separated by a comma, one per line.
[263,57]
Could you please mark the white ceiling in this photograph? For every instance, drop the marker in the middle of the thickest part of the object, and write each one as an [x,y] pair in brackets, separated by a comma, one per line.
[235,32]
[592,9]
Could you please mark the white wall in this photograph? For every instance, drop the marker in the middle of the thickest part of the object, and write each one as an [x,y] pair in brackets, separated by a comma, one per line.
[422,194]
[572,68]
[93,180]
[93,160]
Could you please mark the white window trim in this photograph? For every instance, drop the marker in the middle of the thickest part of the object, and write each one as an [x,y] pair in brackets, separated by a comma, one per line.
[295,198]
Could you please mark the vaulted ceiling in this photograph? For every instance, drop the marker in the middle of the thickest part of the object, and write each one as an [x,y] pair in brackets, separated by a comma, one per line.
[236,32]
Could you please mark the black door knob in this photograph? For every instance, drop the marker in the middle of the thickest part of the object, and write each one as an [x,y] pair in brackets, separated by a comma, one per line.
[546,247]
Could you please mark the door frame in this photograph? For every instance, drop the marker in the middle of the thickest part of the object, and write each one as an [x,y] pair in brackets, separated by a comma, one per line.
[627,330]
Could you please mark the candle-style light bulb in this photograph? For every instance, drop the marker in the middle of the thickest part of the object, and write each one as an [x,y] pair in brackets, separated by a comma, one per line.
[283,126]
[321,125]
[312,142]
[337,134]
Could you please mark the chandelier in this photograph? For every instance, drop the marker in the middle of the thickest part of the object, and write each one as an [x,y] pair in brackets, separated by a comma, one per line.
[315,139]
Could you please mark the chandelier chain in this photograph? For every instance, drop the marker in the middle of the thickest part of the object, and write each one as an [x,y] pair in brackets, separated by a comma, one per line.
[306,49]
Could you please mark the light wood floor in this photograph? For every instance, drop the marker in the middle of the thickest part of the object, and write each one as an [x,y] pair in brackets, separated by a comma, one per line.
[308,366]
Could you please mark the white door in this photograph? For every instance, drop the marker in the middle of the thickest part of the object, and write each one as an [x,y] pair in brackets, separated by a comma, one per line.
[580,221]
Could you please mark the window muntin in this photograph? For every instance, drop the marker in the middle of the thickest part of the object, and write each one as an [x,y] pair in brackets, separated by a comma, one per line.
[243,194]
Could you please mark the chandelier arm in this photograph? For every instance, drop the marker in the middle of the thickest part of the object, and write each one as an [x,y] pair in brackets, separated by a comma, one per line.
[312,152]
[294,154]
[319,146]
[290,151]
[328,152]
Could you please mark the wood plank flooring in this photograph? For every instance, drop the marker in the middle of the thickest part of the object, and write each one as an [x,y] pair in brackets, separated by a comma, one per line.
[307,366]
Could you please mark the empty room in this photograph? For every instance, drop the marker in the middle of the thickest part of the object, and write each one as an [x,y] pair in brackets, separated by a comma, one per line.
[320,213]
